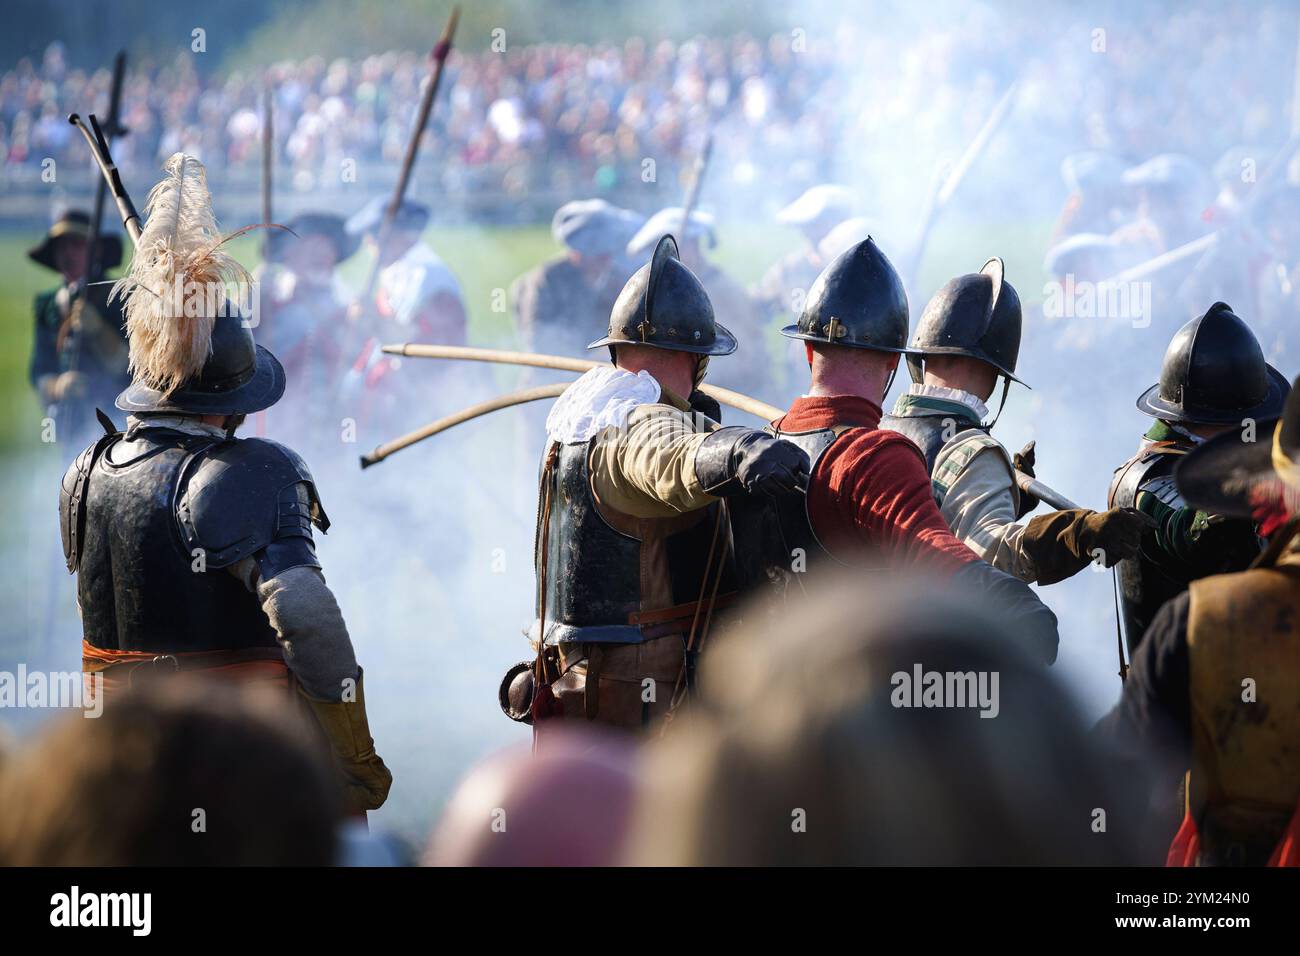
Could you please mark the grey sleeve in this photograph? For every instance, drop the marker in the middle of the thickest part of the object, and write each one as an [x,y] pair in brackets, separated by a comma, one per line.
[309,627]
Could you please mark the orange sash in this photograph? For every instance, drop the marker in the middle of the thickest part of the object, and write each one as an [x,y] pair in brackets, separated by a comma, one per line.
[119,668]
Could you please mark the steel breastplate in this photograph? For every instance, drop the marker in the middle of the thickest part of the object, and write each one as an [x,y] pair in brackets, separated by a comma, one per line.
[1144,586]
[603,567]
[798,539]
[138,587]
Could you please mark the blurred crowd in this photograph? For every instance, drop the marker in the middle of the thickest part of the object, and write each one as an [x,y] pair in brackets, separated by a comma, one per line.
[811,765]
[788,110]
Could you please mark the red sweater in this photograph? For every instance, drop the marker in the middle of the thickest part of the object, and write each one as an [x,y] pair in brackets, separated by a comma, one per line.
[871,491]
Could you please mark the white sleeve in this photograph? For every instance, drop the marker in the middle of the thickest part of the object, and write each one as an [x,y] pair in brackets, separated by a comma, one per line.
[980,508]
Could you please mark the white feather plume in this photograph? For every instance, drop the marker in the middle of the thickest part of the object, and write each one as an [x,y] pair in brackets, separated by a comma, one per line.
[176,283]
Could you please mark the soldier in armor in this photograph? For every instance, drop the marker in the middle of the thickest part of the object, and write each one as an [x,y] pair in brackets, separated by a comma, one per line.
[562,304]
[1215,683]
[633,547]
[751,372]
[968,338]
[193,549]
[79,352]
[869,501]
[1213,379]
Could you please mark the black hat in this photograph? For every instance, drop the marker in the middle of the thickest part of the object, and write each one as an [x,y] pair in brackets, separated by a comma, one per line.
[857,301]
[1230,475]
[332,227]
[664,305]
[975,315]
[1214,373]
[76,223]
[239,377]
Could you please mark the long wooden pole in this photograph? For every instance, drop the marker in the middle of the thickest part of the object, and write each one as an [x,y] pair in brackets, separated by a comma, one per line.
[439,56]
[474,411]
[268,162]
[726,396]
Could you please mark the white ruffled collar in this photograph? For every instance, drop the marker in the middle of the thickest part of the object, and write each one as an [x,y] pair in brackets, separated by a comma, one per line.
[953,395]
[600,398]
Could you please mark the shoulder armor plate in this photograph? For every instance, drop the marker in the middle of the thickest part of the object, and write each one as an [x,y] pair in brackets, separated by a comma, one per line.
[957,453]
[238,496]
[72,500]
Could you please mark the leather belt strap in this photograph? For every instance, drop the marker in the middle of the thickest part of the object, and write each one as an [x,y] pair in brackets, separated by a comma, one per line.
[676,613]
[95,659]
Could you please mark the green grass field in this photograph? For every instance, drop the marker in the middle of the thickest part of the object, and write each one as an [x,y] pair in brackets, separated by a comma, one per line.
[487,260]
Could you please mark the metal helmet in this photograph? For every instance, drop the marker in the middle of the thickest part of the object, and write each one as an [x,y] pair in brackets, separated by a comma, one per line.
[857,301]
[975,315]
[239,377]
[1214,373]
[664,305]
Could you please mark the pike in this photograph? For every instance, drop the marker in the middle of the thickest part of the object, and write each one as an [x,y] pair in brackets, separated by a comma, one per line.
[103,157]
[1032,486]
[268,158]
[438,55]
[1047,495]
[944,190]
[562,363]
[94,263]
[697,179]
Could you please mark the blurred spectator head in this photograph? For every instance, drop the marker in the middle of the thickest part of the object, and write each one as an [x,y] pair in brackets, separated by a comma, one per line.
[182,773]
[569,804]
[825,741]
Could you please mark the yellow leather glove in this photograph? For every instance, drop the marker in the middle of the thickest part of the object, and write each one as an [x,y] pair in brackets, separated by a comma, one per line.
[366,780]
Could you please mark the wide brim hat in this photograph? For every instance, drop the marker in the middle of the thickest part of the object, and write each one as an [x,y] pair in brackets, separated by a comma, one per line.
[328,225]
[75,223]
[411,216]
[239,378]
[1154,405]
[1241,471]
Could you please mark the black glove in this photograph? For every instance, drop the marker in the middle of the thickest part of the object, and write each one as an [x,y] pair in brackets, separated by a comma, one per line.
[1032,620]
[1023,460]
[738,460]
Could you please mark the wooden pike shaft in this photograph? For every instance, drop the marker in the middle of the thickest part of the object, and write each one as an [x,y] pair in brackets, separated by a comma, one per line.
[725,396]
[449,421]
[268,162]
[500,356]
[104,159]
[439,56]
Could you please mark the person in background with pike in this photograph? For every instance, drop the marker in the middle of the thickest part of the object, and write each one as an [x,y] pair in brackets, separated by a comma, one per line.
[193,549]
[416,297]
[633,547]
[79,354]
[1215,683]
[869,500]
[1213,379]
[968,338]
